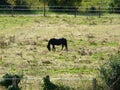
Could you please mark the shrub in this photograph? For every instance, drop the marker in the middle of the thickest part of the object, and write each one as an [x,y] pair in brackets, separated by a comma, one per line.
[63,5]
[115,6]
[11,87]
[93,9]
[7,81]
[110,72]
[48,85]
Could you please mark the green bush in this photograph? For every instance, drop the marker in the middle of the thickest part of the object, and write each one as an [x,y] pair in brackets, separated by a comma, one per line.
[11,87]
[63,5]
[7,81]
[93,9]
[115,6]
[110,72]
[48,85]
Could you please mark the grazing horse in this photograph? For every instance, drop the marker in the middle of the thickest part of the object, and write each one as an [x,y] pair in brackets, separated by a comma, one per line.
[54,41]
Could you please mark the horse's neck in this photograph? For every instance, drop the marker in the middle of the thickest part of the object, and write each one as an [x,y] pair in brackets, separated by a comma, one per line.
[49,43]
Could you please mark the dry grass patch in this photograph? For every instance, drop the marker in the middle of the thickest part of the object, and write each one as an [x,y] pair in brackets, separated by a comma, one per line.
[27,39]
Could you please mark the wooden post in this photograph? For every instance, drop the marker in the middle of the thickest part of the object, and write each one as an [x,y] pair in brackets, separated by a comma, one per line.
[100,5]
[109,88]
[75,10]
[94,83]
[12,10]
[14,83]
[99,12]
[44,10]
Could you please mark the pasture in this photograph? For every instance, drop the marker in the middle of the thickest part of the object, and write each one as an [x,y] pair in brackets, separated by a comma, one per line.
[23,41]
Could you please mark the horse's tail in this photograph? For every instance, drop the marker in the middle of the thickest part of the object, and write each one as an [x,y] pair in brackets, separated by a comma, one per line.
[48,46]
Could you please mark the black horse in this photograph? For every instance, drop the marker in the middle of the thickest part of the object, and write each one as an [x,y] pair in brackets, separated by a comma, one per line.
[54,41]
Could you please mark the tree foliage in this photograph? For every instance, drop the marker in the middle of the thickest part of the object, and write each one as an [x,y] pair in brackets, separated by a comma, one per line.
[115,5]
[4,2]
[64,2]
[21,4]
[63,5]
[110,72]
[16,4]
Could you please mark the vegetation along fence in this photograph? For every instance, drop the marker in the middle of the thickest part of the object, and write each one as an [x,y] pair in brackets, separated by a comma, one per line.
[57,10]
[64,84]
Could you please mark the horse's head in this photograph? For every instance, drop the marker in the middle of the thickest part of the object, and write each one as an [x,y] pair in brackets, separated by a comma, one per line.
[48,47]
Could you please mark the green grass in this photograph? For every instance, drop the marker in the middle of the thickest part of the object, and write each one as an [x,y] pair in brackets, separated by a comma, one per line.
[83,70]
[90,41]
[114,44]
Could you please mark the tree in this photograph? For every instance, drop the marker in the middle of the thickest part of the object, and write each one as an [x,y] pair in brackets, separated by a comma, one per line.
[63,5]
[21,5]
[4,2]
[115,6]
[110,72]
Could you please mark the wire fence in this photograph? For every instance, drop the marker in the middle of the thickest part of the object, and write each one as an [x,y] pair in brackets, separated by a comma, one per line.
[57,10]
[67,84]
[36,83]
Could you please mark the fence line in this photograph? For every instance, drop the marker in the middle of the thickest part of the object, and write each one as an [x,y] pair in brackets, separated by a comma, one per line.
[34,78]
[52,10]
[58,6]
[26,84]
[29,83]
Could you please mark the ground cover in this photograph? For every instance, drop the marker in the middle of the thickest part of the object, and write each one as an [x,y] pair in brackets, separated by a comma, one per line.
[23,40]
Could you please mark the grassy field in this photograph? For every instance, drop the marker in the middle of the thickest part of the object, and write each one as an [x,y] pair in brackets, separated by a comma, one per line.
[23,40]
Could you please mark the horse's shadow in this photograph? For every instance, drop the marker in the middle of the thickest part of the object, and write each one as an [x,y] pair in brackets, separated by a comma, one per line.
[54,41]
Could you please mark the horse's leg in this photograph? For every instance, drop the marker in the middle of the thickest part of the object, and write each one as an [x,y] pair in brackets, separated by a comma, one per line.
[62,47]
[53,47]
[66,46]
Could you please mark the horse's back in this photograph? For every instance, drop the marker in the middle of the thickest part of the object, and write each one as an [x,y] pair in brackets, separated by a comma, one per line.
[56,41]
[64,40]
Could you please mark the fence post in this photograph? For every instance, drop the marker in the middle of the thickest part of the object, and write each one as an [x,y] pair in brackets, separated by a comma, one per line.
[14,82]
[109,88]
[12,11]
[94,83]
[44,10]
[99,11]
[75,10]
